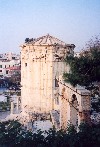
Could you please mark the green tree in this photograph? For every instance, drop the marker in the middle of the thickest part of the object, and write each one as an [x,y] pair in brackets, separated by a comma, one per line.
[12,135]
[85,69]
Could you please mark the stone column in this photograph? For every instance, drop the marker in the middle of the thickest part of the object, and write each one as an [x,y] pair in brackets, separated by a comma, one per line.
[17,104]
[12,107]
[63,113]
[84,109]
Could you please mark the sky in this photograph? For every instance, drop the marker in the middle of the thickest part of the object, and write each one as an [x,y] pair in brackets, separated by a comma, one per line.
[72,21]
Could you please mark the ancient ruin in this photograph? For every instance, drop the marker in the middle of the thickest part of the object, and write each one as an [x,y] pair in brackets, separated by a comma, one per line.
[43,89]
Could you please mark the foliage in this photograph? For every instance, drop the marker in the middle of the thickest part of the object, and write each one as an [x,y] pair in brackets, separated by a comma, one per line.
[27,40]
[4,106]
[12,135]
[14,80]
[85,69]
[8,132]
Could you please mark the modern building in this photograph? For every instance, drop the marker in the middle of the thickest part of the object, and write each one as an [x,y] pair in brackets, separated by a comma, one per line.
[8,62]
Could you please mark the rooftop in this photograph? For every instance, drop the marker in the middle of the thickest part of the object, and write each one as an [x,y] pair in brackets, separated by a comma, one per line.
[14,68]
[46,40]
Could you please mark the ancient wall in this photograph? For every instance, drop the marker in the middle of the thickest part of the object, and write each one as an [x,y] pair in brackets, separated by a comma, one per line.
[41,64]
[36,80]
[74,105]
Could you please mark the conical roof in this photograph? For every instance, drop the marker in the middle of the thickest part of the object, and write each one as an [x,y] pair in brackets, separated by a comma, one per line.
[46,40]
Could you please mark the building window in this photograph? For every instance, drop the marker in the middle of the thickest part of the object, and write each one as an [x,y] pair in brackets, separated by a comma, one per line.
[5,66]
[56,83]
[25,64]
[0,70]
[6,71]
[0,66]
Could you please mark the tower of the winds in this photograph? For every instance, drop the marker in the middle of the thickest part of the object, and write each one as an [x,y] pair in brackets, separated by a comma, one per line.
[42,62]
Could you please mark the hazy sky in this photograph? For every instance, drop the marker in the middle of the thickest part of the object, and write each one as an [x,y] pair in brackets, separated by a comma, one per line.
[72,21]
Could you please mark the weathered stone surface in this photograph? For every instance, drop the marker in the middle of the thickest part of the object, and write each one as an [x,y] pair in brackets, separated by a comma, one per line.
[43,89]
[42,63]
[74,104]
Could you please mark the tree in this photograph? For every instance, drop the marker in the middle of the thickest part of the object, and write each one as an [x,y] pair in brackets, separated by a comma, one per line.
[85,69]
[12,135]
[9,131]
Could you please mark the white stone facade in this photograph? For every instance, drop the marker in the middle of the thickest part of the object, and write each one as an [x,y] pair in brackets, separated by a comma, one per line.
[42,62]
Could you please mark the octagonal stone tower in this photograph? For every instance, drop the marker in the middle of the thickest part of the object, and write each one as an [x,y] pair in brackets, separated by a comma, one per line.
[42,61]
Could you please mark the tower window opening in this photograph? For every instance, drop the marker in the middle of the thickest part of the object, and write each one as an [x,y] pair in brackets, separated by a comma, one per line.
[56,82]
[25,64]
